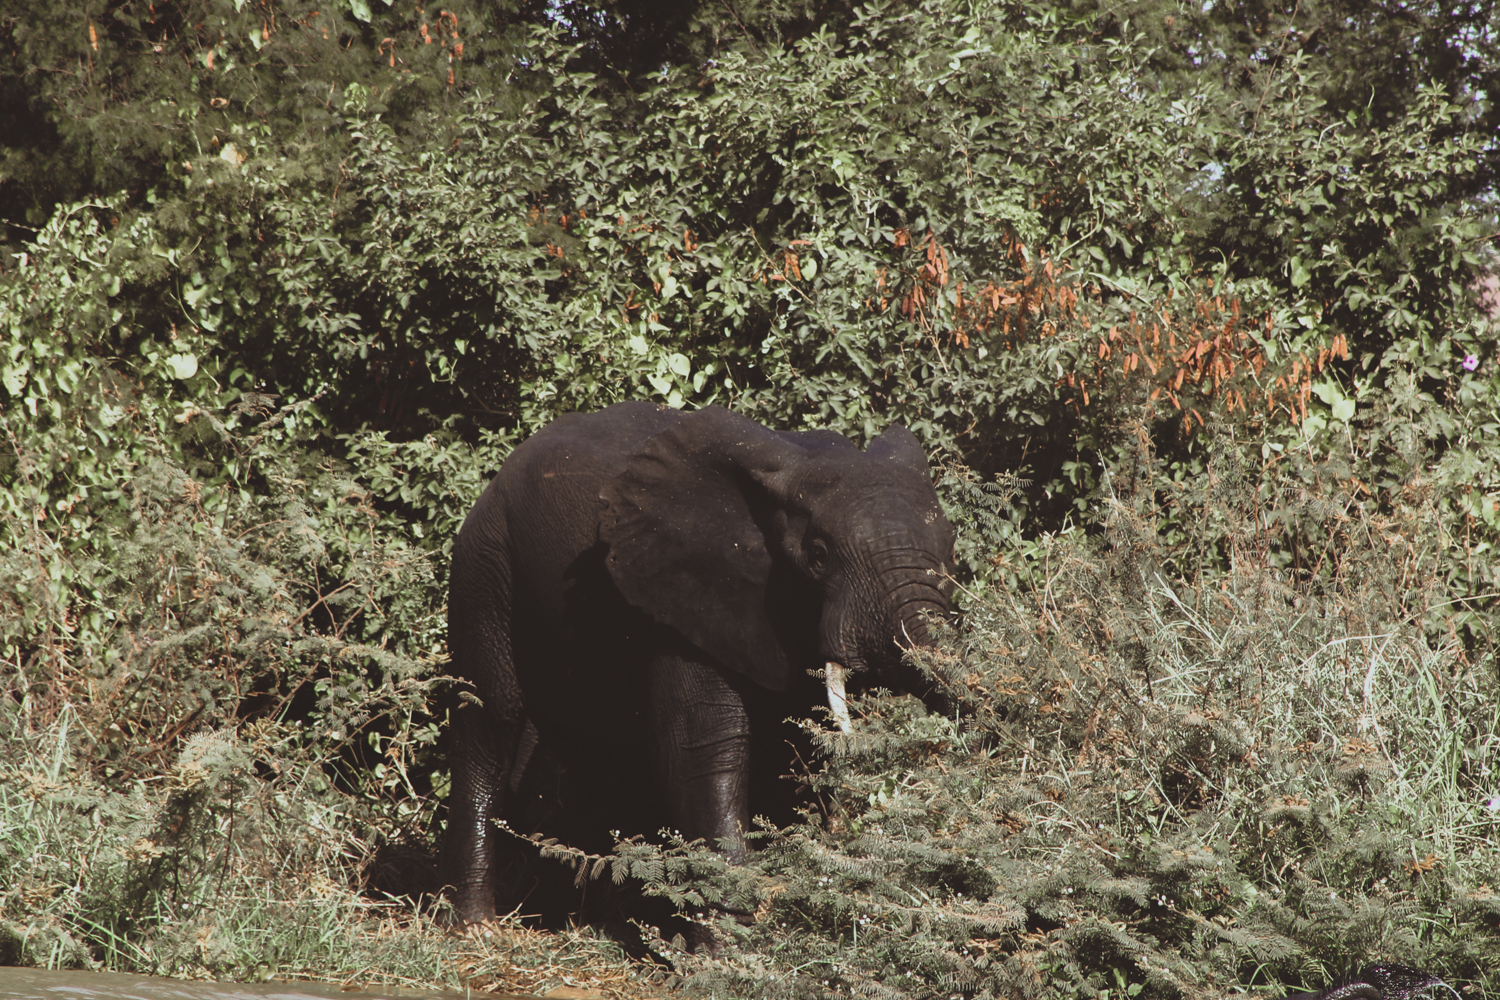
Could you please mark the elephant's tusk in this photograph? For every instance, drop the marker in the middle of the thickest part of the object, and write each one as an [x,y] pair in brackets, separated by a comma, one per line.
[833,673]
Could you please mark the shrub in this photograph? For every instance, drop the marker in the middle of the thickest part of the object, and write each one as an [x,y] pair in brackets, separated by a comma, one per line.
[1156,783]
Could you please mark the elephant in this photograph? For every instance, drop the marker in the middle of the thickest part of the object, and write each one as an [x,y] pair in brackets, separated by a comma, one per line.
[636,588]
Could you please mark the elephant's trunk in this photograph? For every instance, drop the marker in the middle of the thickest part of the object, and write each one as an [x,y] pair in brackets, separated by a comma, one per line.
[914,583]
[917,590]
[912,617]
[905,585]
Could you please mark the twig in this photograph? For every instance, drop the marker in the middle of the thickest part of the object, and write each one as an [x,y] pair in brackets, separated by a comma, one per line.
[1281,51]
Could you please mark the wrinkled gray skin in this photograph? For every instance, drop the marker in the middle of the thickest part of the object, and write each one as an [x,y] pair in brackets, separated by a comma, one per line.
[636,585]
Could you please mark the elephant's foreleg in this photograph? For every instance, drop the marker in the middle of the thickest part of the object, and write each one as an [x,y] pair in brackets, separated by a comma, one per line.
[703,750]
[480,771]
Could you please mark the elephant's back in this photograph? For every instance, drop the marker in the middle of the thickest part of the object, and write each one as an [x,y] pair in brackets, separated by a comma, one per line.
[562,467]
[608,436]
[541,512]
[566,460]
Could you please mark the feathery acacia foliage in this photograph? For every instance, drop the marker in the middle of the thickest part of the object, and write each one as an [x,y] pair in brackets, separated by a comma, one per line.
[1152,785]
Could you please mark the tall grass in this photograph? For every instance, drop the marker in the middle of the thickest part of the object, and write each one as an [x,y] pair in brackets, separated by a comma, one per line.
[242,863]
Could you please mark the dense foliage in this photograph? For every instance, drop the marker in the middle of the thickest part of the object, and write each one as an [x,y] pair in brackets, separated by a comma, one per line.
[1153,787]
[284,283]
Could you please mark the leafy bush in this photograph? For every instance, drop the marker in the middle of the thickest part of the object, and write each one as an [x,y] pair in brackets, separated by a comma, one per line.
[1154,785]
[784,234]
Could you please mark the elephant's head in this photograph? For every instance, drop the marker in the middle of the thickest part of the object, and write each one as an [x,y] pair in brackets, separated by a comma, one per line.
[715,513]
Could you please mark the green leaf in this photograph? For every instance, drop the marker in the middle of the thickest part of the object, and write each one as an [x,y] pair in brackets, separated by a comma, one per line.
[360,9]
[1299,273]
[14,377]
[183,366]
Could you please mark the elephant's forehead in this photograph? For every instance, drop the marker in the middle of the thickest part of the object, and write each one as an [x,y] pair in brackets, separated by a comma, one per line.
[869,487]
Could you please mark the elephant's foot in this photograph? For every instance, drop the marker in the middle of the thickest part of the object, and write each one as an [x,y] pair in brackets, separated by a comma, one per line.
[456,917]
[464,905]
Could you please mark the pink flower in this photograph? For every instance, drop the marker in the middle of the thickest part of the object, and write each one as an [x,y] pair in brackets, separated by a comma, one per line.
[1471,362]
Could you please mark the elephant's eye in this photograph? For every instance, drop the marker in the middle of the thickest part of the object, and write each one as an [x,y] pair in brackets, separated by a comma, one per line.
[817,555]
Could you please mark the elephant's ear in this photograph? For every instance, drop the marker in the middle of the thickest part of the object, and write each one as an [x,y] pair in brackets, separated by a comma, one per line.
[686,527]
[898,444]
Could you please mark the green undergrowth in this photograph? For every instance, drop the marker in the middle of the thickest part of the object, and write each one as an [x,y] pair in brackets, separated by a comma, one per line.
[1184,759]
[1151,786]
[241,862]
